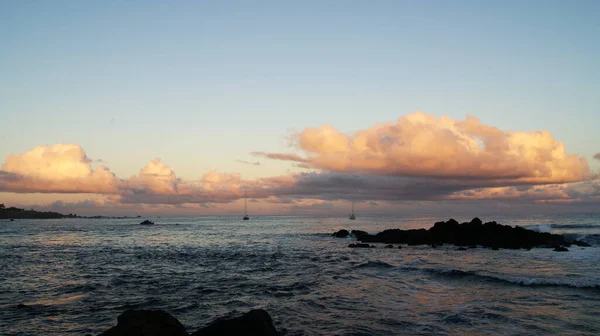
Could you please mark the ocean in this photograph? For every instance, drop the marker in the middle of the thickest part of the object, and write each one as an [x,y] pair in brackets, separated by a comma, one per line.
[75,276]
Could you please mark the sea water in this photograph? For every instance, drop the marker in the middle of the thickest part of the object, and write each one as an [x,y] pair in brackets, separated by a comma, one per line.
[75,276]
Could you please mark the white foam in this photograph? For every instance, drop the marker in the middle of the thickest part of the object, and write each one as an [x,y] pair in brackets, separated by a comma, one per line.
[542,228]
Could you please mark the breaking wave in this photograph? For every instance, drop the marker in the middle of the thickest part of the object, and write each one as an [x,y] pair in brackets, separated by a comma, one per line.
[516,280]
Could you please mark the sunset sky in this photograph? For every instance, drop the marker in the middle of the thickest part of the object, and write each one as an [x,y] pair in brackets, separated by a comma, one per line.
[179,108]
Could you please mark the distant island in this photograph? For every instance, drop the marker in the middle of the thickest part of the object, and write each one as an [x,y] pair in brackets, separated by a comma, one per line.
[18,213]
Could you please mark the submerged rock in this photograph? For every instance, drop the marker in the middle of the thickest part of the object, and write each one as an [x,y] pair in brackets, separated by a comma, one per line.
[461,249]
[389,246]
[147,222]
[256,322]
[470,234]
[360,245]
[580,243]
[561,249]
[146,323]
[341,234]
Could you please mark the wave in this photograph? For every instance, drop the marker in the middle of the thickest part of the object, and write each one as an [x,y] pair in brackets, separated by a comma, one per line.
[516,280]
[550,227]
[374,264]
[575,226]
[540,228]
[592,239]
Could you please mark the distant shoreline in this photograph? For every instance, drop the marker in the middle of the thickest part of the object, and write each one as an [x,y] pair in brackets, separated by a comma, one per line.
[18,213]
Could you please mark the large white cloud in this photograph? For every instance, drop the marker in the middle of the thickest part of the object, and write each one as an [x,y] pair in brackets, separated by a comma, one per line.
[62,168]
[422,145]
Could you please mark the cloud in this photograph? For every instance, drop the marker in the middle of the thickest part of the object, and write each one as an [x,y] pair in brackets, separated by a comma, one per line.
[62,168]
[257,163]
[157,184]
[419,158]
[155,178]
[280,156]
[420,145]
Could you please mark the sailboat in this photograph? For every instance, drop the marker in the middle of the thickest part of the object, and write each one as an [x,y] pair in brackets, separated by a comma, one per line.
[352,215]
[246,206]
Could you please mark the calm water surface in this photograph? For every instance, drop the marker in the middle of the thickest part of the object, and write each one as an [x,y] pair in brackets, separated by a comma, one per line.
[75,276]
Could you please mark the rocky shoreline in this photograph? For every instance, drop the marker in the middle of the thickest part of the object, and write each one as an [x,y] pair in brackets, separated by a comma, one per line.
[472,234]
[256,322]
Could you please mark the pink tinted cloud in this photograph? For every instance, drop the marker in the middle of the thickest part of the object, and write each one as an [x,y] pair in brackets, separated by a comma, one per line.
[65,168]
[422,145]
[280,156]
[155,178]
[61,168]
[417,158]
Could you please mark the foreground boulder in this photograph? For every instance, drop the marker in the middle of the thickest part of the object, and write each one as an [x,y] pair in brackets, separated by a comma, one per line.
[159,323]
[146,323]
[257,322]
[471,233]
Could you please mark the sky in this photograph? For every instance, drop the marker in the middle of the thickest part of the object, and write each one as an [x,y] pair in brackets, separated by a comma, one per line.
[179,107]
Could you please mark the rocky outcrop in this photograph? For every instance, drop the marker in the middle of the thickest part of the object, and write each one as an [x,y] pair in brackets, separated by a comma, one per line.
[358,233]
[472,234]
[146,323]
[341,234]
[159,323]
[254,323]
[147,222]
[561,249]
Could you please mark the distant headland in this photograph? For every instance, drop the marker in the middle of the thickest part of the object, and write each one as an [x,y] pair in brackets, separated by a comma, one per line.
[18,213]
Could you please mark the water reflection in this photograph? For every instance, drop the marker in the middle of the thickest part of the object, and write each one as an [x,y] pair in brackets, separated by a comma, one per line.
[83,273]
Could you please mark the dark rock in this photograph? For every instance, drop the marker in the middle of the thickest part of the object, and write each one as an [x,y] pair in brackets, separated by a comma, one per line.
[476,222]
[472,246]
[399,246]
[495,248]
[12,219]
[359,245]
[341,234]
[461,249]
[473,233]
[389,246]
[580,243]
[147,222]
[254,323]
[358,233]
[146,323]
[561,249]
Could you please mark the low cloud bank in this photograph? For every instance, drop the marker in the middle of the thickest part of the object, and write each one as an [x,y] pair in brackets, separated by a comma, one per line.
[417,158]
